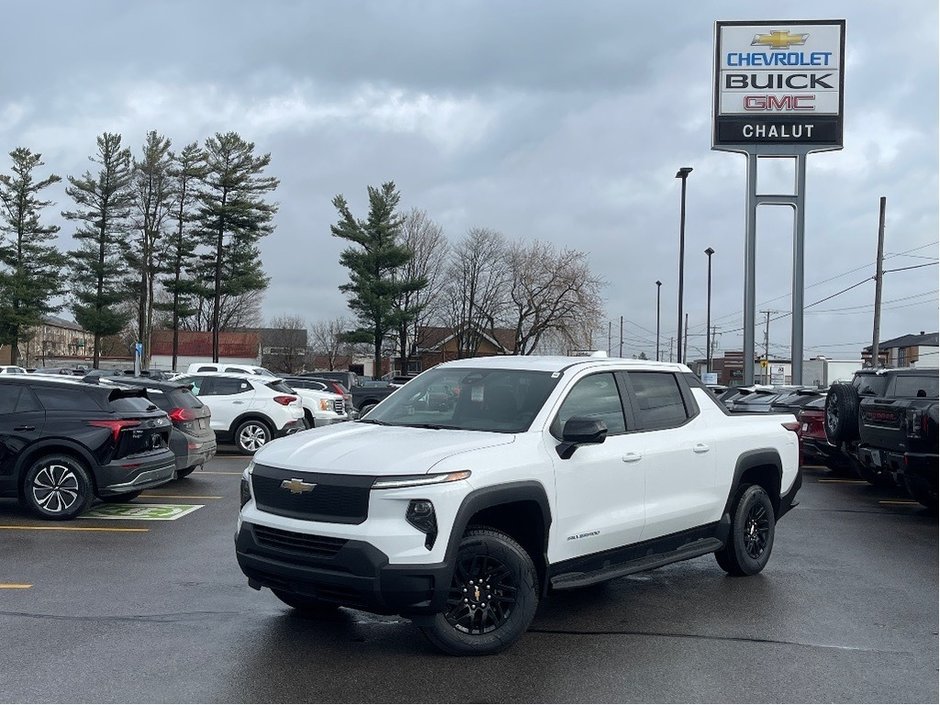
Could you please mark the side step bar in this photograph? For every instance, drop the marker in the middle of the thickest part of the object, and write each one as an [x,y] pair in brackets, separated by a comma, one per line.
[567,581]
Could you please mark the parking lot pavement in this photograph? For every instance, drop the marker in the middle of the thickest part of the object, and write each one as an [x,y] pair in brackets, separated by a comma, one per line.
[156,610]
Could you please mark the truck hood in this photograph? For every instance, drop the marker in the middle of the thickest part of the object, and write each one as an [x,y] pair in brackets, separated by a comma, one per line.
[367,449]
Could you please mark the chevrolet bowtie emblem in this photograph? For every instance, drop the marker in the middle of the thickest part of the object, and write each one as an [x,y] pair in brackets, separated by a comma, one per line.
[779,39]
[297,486]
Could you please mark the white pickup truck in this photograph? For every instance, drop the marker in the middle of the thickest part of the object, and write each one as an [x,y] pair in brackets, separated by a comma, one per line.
[484,484]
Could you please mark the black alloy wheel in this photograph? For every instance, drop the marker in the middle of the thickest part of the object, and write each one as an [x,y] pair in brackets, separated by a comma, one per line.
[751,538]
[492,598]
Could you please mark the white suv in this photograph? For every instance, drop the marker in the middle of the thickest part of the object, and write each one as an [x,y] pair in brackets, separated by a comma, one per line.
[199,367]
[321,408]
[247,410]
[482,484]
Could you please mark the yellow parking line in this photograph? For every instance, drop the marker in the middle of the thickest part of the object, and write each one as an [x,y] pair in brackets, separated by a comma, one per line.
[177,496]
[214,472]
[15,586]
[844,482]
[903,502]
[14,527]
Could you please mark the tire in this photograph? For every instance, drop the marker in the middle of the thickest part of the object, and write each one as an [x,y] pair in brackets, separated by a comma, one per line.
[309,420]
[186,472]
[923,494]
[309,606]
[251,435]
[841,414]
[752,533]
[487,560]
[120,498]
[57,487]
[366,409]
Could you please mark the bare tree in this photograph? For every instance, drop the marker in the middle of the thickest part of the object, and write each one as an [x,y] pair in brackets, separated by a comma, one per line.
[474,288]
[416,309]
[550,290]
[284,346]
[327,338]
[235,312]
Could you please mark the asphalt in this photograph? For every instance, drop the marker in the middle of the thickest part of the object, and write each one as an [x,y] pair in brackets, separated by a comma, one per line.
[846,611]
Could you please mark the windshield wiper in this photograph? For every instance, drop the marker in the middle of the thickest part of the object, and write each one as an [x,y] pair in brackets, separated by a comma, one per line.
[435,426]
[375,421]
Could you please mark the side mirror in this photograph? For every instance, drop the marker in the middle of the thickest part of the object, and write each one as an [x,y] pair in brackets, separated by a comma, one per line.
[580,431]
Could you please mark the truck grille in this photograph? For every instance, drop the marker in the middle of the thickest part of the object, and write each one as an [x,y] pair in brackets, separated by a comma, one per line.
[340,499]
[315,546]
[339,406]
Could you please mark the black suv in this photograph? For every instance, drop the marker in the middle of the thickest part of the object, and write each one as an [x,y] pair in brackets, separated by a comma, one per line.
[63,442]
[887,421]
[192,439]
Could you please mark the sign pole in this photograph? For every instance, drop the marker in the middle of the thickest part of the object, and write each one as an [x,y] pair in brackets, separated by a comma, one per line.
[799,220]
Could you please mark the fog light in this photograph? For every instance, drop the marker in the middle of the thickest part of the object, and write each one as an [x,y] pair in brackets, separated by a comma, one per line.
[421,516]
[244,492]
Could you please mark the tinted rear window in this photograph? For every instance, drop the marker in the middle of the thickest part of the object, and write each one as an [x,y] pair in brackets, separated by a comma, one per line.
[132,404]
[64,399]
[179,399]
[926,386]
[871,385]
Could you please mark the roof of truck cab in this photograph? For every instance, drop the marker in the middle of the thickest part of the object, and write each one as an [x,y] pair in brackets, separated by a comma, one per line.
[552,363]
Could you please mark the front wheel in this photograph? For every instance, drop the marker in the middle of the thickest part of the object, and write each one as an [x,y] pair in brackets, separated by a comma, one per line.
[492,599]
[251,435]
[57,487]
[752,533]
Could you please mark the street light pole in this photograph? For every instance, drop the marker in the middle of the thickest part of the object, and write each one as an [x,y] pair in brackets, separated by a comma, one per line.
[658,286]
[682,174]
[708,315]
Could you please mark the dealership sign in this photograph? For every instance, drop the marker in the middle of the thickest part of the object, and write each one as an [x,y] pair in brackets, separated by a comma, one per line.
[779,83]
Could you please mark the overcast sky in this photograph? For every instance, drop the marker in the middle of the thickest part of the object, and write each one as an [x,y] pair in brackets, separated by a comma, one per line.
[557,121]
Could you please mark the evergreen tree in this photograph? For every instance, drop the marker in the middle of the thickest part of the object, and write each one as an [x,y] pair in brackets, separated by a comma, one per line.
[187,170]
[104,207]
[233,217]
[375,267]
[153,200]
[31,262]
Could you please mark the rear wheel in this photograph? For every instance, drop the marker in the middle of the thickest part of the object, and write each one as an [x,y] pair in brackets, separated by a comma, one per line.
[251,435]
[366,408]
[922,493]
[752,533]
[492,600]
[57,487]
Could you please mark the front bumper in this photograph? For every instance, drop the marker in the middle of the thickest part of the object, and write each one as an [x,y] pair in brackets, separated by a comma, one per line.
[346,572]
[132,474]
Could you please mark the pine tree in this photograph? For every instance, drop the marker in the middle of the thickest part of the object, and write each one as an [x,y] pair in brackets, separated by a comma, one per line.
[187,171]
[375,267]
[153,201]
[99,297]
[233,217]
[32,264]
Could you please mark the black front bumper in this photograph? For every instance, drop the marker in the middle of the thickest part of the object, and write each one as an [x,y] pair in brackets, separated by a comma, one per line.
[357,574]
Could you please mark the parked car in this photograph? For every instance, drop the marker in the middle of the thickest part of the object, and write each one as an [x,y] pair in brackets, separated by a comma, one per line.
[321,407]
[199,367]
[791,400]
[63,442]
[547,474]
[53,371]
[363,395]
[758,401]
[247,410]
[346,378]
[887,420]
[12,370]
[331,385]
[192,439]
[815,448]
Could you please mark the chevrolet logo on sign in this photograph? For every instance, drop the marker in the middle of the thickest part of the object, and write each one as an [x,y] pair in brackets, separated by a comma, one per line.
[297,486]
[779,39]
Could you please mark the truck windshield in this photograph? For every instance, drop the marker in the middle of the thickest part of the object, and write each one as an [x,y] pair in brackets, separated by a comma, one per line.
[505,401]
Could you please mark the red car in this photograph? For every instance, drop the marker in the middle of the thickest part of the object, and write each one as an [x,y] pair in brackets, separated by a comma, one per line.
[815,448]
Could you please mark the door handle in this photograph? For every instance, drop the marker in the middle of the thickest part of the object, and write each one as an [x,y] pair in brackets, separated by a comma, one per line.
[700,448]
[24,428]
[632,457]
[238,402]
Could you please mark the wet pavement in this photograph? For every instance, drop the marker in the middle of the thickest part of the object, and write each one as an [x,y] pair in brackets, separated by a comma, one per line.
[130,610]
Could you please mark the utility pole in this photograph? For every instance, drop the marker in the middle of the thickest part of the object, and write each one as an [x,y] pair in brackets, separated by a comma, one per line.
[610,325]
[621,336]
[685,344]
[766,344]
[879,276]
[671,339]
